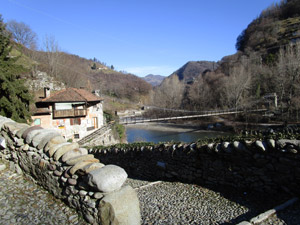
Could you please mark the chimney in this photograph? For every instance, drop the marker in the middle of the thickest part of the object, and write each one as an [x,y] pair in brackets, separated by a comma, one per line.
[46,92]
[97,93]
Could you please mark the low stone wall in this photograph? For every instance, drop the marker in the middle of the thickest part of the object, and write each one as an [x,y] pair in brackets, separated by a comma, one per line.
[261,165]
[70,173]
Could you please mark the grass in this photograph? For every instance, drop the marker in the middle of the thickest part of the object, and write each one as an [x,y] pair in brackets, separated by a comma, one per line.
[23,60]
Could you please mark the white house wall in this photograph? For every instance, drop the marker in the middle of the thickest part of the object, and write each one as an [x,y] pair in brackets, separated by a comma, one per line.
[67,130]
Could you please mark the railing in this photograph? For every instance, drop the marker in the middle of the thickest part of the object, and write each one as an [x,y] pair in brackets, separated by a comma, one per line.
[96,134]
[69,113]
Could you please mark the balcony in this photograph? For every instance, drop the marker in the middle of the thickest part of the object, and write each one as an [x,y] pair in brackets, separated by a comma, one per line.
[69,113]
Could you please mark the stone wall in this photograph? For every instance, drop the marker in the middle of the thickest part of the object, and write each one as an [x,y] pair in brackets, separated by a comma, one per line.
[260,165]
[70,173]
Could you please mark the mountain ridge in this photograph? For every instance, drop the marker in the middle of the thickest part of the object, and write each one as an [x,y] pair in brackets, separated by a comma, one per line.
[154,80]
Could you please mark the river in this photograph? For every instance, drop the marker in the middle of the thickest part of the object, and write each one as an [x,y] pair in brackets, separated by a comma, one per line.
[167,132]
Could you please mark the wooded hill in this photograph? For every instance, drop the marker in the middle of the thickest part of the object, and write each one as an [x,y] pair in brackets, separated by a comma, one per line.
[267,61]
[75,71]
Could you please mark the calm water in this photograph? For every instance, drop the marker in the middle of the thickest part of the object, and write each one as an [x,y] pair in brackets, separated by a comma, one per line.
[148,135]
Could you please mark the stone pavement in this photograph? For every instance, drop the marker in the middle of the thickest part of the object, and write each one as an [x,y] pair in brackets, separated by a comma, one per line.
[24,202]
[178,203]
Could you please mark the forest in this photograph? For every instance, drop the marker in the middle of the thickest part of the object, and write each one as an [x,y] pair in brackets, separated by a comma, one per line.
[266,63]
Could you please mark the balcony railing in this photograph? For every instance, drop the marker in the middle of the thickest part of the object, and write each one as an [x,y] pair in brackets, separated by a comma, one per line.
[69,113]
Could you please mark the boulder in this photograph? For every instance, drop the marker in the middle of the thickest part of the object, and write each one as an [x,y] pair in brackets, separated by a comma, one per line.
[271,143]
[120,207]
[74,153]
[2,167]
[54,141]
[92,167]
[40,136]
[4,120]
[14,127]
[32,134]
[64,149]
[283,142]
[46,139]
[260,145]
[73,161]
[82,164]
[2,143]
[108,178]
[21,131]
[28,130]
[54,148]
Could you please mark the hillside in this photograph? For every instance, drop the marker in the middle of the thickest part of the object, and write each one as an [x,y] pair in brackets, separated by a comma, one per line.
[193,69]
[75,71]
[277,25]
[154,80]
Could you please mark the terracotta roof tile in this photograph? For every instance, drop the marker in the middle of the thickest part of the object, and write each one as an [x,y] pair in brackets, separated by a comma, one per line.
[72,95]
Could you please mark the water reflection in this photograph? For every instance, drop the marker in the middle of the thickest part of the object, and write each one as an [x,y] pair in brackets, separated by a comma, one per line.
[149,135]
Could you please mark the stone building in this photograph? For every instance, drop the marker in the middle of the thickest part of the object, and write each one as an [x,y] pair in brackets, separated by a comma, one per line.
[73,112]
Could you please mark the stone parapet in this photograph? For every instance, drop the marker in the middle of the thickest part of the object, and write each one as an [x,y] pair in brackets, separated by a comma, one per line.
[264,165]
[95,190]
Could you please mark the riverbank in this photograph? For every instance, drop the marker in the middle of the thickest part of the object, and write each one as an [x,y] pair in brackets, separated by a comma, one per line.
[169,127]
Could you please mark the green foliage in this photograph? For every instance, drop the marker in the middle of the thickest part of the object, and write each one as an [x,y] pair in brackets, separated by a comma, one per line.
[14,96]
[120,130]
[108,116]
[94,66]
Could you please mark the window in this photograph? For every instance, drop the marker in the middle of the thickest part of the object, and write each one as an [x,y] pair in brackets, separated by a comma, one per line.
[75,121]
[76,136]
[37,121]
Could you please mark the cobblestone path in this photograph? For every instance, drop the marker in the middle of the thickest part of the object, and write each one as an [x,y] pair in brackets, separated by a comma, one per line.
[24,202]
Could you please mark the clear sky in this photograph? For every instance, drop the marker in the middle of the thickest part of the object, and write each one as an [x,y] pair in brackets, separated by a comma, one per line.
[139,36]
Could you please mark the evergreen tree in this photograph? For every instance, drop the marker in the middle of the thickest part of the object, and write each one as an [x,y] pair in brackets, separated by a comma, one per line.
[14,96]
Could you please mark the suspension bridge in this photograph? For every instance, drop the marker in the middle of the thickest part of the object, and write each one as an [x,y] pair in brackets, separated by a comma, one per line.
[140,119]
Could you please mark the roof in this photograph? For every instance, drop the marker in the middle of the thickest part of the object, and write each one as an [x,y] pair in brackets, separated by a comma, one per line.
[72,95]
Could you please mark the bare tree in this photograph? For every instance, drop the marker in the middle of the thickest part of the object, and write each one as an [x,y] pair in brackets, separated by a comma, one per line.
[288,76]
[53,54]
[237,85]
[22,34]
[170,93]
[199,94]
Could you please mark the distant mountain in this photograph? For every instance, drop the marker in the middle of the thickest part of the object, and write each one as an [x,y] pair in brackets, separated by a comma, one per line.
[174,89]
[154,80]
[193,69]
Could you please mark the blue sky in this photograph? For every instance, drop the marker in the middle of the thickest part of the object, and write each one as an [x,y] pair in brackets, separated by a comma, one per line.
[139,36]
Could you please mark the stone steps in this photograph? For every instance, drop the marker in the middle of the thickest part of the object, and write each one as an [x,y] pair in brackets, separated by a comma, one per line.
[93,135]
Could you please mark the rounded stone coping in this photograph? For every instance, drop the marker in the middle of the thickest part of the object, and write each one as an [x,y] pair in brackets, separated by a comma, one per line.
[28,130]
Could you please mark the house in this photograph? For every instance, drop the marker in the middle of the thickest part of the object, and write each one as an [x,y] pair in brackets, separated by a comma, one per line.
[74,112]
